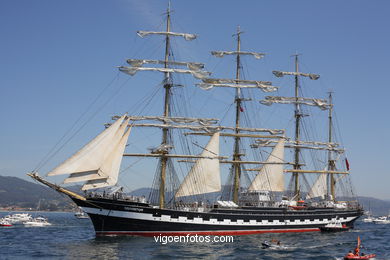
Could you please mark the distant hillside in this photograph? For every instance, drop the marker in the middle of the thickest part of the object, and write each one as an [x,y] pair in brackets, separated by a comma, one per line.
[376,206]
[16,192]
[25,194]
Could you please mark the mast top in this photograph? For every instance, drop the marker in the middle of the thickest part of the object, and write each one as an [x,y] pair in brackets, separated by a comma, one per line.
[296,55]
[238,31]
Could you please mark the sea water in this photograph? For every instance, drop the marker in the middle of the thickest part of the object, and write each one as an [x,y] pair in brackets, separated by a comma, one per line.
[72,238]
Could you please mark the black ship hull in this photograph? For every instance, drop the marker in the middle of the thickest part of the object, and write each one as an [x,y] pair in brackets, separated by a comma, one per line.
[121,217]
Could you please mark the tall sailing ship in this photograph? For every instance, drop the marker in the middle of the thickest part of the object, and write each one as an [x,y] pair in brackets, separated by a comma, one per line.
[255,198]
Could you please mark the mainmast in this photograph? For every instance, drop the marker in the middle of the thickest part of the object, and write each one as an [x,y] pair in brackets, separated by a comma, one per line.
[167,87]
[297,101]
[298,116]
[236,152]
[331,161]
[238,84]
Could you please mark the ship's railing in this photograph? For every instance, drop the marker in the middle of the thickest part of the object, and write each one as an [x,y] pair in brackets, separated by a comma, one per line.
[117,196]
[195,206]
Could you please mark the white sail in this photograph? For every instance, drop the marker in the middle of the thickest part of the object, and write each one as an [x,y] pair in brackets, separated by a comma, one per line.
[84,176]
[103,171]
[204,176]
[271,176]
[89,158]
[111,165]
[319,188]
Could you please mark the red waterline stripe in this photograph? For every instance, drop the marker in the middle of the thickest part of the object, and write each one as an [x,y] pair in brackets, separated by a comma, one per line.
[216,233]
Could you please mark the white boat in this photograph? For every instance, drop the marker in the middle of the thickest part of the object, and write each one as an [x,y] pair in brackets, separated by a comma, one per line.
[5,223]
[368,219]
[382,220]
[334,226]
[17,218]
[81,214]
[37,222]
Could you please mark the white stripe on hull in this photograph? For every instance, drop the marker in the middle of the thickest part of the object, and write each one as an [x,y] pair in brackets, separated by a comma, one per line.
[184,220]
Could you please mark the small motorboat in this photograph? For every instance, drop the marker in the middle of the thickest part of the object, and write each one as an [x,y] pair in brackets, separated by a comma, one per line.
[81,214]
[334,226]
[270,244]
[356,254]
[37,222]
[382,220]
[368,219]
[5,223]
[17,218]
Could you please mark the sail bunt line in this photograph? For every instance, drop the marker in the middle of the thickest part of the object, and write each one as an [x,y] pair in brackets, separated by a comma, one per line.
[220,54]
[178,120]
[271,175]
[208,125]
[199,74]
[209,128]
[282,73]
[189,65]
[209,83]
[300,144]
[99,160]
[204,176]
[186,36]
[321,103]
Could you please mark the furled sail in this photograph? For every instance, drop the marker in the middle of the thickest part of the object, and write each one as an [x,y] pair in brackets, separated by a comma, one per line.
[319,188]
[220,54]
[321,103]
[209,83]
[199,74]
[204,176]
[186,36]
[282,73]
[271,176]
[189,65]
[98,160]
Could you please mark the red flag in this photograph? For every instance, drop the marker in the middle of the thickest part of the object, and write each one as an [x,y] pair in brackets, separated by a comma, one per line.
[241,109]
[347,164]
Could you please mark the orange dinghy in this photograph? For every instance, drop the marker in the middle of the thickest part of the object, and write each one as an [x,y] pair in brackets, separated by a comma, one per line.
[356,254]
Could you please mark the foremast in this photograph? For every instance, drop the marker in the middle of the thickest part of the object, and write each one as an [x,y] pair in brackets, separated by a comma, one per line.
[165,131]
[168,122]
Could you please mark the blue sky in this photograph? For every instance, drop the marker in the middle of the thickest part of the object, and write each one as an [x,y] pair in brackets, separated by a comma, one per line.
[57,56]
